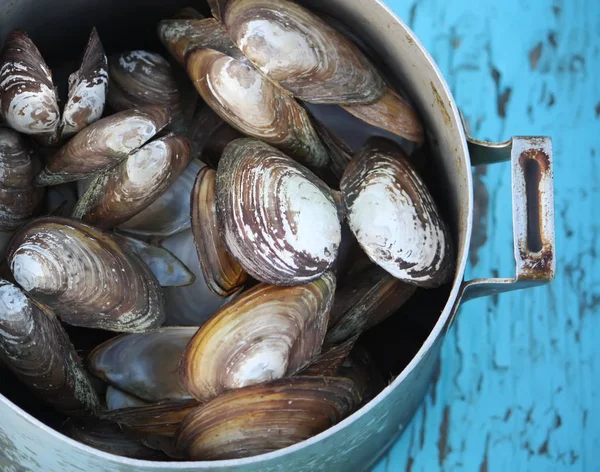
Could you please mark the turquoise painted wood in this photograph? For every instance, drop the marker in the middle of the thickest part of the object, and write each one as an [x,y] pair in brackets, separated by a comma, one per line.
[519,381]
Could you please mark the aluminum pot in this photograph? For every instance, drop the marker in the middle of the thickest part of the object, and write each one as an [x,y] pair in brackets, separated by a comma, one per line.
[26,444]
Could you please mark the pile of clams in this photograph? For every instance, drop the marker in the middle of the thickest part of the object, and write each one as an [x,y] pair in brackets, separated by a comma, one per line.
[231,245]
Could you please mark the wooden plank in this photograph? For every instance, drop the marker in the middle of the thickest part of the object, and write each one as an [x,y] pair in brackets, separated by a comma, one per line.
[519,380]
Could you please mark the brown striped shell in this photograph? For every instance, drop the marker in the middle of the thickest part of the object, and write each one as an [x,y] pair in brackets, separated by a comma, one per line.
[279,221]
[85,277]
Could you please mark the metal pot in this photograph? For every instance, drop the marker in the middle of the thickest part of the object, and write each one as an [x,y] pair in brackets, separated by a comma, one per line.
[358,441]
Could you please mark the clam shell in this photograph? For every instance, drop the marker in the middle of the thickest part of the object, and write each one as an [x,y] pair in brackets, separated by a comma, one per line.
[189,13]
[364,301]
[29,102]
[170,213]
[168,270]
[85,277]
[19,199]
[162,419]
[391,113]
[145,365]
[223,274]
[298,50]
[181,36]
[279,220]
[139,78]
[254,106]
[128,188]
[104,144]
[117,399]
[329,362]
[394,218]
[108,436]
[87,89]
[263,418]
[194,304]
[266,333]
[34,346]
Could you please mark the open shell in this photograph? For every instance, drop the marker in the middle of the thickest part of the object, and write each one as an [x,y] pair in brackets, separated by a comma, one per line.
[34,346]
[242,97]
[223,274]
[29,102]
[301,52]
[263,418]
[104,144]
[85,277]
[118,399]
[144,364]
[266,333]
[279,220]
[128,188]
[87,89]
[19,199]
[394,218]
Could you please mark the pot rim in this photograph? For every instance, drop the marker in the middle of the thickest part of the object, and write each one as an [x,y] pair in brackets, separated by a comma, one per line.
[449,308]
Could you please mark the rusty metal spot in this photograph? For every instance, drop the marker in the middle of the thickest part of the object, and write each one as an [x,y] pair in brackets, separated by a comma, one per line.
[442,105]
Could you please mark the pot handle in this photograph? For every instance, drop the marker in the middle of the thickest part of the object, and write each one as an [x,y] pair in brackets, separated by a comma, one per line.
[532,210]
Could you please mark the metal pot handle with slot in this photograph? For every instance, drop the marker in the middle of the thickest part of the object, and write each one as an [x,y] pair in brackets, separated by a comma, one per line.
[532,213]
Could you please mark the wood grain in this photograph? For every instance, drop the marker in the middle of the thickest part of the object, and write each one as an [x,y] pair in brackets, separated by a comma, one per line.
[518,382]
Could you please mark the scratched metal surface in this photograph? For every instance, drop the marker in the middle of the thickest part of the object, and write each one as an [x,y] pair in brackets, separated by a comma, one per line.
[518,384]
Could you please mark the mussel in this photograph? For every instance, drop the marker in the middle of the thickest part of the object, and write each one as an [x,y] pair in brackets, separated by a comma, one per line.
[104,144]
[28,97]
[263,418]
[279,221]
[19,199]
[170,213]
[249,102]
[120,193]
[108,436]
[223,274]
[34,346]
[85,277]
[364,301]
[394,217]
[266,333]
[145,365]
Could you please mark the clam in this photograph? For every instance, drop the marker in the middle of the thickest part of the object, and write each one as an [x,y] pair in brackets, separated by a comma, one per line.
[139,78]
[394,217]
[191,305]
[34,346]
[87,89]
[364,301]
[85,277]
[301,52]
[118,399]
[189,13]
[253,105]
[145,364]
[27,95]
[279,221]
[170,213]
[120,193]
[329,362]
[168,270]
[161,419]
[104,144]
[182,36]
[223,274]
[268,332]
[263,418]
[29,101]
[108,436]
[19,199]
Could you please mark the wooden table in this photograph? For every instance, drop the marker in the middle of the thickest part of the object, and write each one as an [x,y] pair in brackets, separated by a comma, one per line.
[519,384]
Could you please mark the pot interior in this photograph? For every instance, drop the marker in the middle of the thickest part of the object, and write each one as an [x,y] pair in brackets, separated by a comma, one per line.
[60,29]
